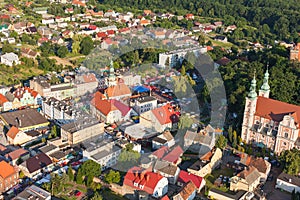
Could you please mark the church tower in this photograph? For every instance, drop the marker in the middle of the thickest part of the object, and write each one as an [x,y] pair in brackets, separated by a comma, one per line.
[249,112]
[112,77]
[265,88]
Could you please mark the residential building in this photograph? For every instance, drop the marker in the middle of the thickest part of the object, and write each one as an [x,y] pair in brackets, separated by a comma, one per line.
[33,192]
[246,180]
[220,195]
[9,176]
[207,163]
[29,53]
[160,119]
[268,122]
[185,177]
[104,152]
[80,130]
[168,170]
[135,132]
[188,192]
[25,120]
[109,111]
[17,137]
[144,104]
[35,164]
[60,110]
[174,156]
[295,53]
[85,83]
[150,182]
[16,156]
[10,59]
[263,166]
[288,182]
[5,105]
[164,139]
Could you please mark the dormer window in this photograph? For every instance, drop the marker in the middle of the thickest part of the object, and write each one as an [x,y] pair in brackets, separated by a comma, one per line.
[135,184]
[141,186]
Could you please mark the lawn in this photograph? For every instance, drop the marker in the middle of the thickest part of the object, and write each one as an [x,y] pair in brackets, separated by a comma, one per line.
[210,178]
[70,187]
[110,195]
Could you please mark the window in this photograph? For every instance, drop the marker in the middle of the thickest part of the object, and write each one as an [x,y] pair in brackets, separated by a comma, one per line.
[284,143]
[286,135]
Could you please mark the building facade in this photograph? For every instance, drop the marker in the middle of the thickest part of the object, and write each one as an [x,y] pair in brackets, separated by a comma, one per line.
[268,122]
[8,176]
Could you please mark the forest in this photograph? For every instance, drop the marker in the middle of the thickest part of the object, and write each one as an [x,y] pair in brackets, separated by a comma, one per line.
[282,18]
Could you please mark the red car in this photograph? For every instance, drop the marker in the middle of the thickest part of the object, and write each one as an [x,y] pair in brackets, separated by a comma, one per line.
[78,193]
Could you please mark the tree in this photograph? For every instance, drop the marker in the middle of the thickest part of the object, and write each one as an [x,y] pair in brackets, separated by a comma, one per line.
[90,168]
[62,51]
[13,34]
[167,63]
[96,196]
[79,179]
[112,177]
[221,142]
[86,45]
[183,70]
[234,141]
[70,173]
[230,134]
[185,122]
[7,48]
[201,40]
[21,174]
[291,160]
[95,186]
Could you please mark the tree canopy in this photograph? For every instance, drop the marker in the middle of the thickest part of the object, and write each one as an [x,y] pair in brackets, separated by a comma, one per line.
[291,160]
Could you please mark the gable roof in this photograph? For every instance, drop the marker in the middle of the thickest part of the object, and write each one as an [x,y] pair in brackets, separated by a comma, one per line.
[165,167]
[165,114]
[295,180]
[120,106]
[16,154]
[12,133]
[6,169]
[185,177]
[173,155]
[37,162]
[250,174]
[276,110]
[159,153]
[3,99]
[259,163]
[142,177]
[187,190]
[118,90]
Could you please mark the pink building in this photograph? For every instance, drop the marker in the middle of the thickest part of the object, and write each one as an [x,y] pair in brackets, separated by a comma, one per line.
[268,122]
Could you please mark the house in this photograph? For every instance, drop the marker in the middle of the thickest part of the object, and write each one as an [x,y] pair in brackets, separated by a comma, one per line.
[5,105]
[40,10]
[189,16]
[118,90]
[160,119]
[268,122]
[35,164]
[67,34]
[188,192]
[33,192]
[221,38]
[81,129]
[31,30]
[104,152]
[25,120]
[218,23]
[168,170]
[263,166]
[17,156]
[147,12]
[174,156]
[150,182]
[246,180]
[220,195]
[185,177]
[164,139]
[207,163]
[10,59]
[144,103]
[145,22]
[29,53]
[288,182]
[230,28]
[17,137]
[295,52]
[109,111]
[9,176]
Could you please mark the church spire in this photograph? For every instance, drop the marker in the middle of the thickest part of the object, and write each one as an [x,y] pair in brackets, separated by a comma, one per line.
[112,76]
[265,88]
[252,94]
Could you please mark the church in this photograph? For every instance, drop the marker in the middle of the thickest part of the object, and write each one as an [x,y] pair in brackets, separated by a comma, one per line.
[268,122]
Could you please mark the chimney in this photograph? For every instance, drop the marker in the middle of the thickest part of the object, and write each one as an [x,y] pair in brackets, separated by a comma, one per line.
[136,173]
[147,177]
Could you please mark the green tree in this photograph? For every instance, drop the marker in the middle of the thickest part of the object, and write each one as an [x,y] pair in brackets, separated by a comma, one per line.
[21,174]
[95,186]
[7,48]
[62,51]
[90,168]
[113,177]
[234,140]
[221,142]
[79,177]
[183,73]
[96,196]
[291,160]
[70,173]
[13,34]
[201,40]
[86,45]
[230,134]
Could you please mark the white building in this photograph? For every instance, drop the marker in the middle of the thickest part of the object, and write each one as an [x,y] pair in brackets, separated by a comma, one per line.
[144,104]
[288,182]
[10,59]
[105,153]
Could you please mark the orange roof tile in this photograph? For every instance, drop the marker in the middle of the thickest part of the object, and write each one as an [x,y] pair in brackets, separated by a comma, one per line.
[6,169]
[119,90]
[12,133]
[16,154]
[3,99]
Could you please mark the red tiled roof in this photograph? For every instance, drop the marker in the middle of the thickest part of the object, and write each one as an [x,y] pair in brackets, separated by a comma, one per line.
[159,153]
[3,99]
[2,147]
[173,155]
[185,177]
[147,178]
[92,27]
[12,133]
[16,154]
[6,170]
[110,32]
[121,107]
[165,198]
[101,35]
[104,106]
[188,190]
[89,78]
[165,114]
[118,90]
[275,110]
